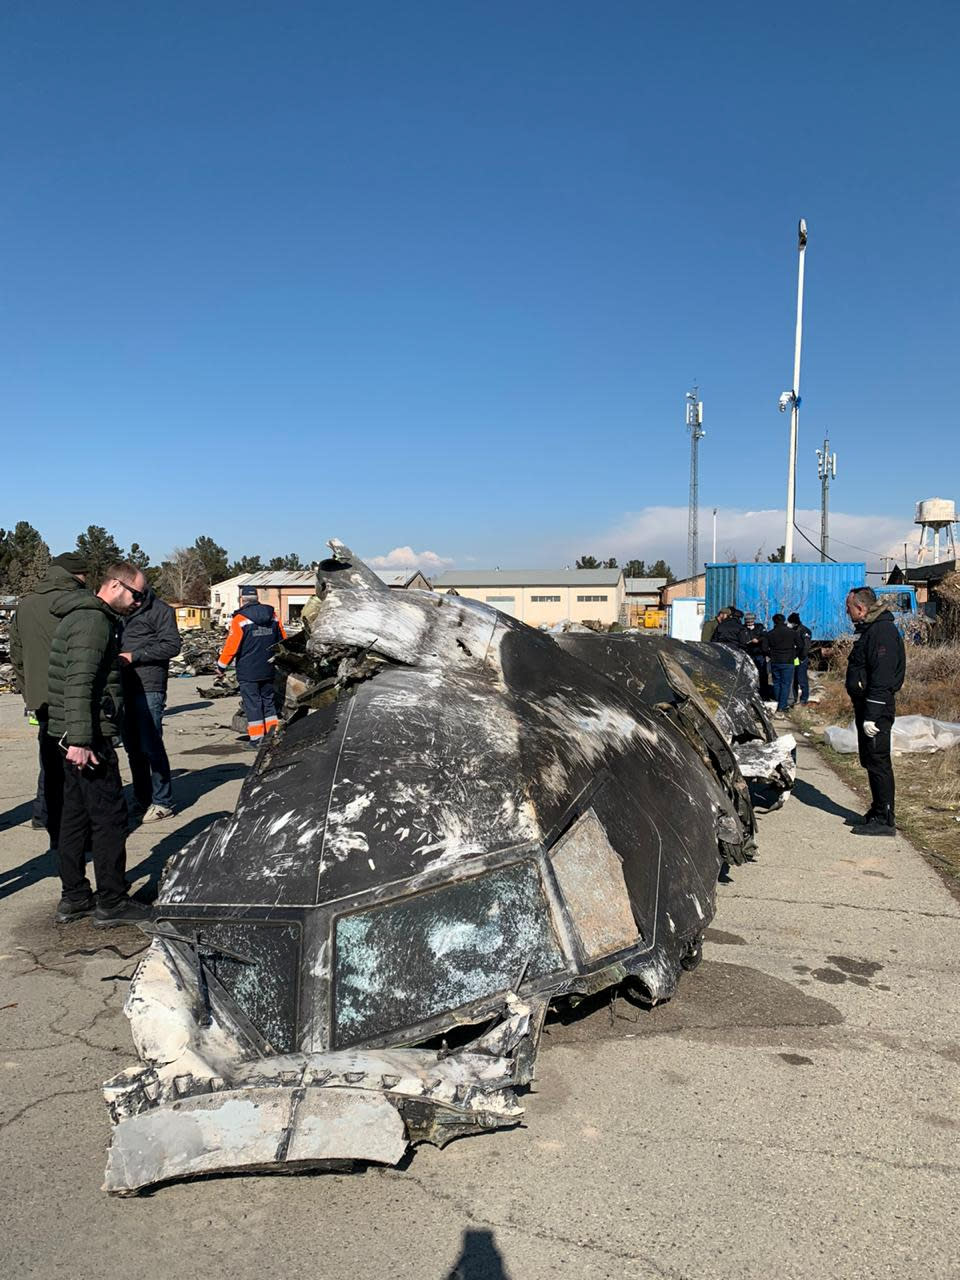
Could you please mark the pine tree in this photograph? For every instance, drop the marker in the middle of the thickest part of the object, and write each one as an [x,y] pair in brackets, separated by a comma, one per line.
[213,557]
[138,557]
[99,549]
[24,558]
[588,562]
[246,564]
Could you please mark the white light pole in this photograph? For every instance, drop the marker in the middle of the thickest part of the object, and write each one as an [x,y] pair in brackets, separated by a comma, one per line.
[714,535]
[792,398]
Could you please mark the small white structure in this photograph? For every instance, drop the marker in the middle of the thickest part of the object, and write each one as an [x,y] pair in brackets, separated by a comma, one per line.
[934,515]
[686,617]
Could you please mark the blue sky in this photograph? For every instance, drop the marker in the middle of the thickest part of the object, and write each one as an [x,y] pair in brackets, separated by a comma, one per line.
[438,275]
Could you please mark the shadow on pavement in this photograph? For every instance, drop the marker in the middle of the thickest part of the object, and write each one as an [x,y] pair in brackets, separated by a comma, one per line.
[815,799]
[195,783]
[13,817]
[153,864]
[40,867]
[187,706]
[480,1259]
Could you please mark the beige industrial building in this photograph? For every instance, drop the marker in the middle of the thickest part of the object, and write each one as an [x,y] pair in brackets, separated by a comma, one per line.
[541,597]
[288,590]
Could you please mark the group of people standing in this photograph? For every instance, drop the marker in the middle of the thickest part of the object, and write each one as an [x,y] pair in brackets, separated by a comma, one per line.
[781,653]
[92,667]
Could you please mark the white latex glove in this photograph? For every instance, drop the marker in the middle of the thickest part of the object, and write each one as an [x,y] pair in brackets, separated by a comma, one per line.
[870,728]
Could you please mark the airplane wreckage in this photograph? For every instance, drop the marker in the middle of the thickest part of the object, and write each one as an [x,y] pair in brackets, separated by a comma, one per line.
[462,820]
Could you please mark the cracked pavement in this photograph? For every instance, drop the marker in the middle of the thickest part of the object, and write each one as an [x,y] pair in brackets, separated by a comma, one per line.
[793,1111]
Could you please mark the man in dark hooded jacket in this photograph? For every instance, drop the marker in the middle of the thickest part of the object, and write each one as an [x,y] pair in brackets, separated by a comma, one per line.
[150,639]
[252,639]
[875,672]
[31,633]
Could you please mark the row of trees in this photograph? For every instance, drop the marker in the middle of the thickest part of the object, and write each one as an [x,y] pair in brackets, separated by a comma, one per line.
[631,569]
[185,576]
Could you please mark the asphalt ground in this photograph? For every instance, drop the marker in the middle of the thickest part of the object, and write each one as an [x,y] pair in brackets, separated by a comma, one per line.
[791,1112]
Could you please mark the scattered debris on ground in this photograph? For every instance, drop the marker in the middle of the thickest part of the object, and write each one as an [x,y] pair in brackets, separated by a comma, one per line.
[200,648]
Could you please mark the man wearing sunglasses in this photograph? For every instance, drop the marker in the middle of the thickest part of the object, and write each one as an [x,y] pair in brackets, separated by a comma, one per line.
[150,639]
[85,718]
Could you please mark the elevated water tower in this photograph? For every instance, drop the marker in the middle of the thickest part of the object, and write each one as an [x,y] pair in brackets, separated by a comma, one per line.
[933,516]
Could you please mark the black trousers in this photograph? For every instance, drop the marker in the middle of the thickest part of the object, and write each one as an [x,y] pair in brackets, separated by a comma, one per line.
[94,809]
[875,756]
[51,780]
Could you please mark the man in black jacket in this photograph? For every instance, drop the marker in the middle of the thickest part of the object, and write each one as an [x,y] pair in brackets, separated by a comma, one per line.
[730,629]
[875,672]
[150,639]
[751,640]
[801,682]
[781,644]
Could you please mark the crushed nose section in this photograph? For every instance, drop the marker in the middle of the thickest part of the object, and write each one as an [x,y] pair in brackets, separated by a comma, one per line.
[205,1100]
[460,822]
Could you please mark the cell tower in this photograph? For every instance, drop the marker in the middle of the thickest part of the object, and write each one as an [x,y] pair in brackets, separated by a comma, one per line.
[695,427]
[827,471]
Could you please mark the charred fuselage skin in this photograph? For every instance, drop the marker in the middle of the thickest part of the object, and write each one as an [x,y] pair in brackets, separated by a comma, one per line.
[484,817]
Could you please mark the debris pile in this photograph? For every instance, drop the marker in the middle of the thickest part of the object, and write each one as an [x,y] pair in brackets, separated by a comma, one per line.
[8,677]
[470,823]
[199,652]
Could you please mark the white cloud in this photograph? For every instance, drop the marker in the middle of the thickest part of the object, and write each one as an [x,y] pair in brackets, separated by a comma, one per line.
[654,532]
[407,558]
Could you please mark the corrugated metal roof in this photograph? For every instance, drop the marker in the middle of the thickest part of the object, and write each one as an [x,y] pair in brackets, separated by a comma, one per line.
[643,586]
[528,578]
[281,578]
[396,577]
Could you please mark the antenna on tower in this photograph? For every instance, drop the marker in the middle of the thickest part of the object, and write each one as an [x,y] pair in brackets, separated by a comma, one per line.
[827,471]
[695,427]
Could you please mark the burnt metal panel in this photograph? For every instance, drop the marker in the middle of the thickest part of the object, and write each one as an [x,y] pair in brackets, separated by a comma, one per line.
[590,878]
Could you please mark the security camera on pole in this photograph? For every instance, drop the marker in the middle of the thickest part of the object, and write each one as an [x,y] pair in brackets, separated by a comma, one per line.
[791,400]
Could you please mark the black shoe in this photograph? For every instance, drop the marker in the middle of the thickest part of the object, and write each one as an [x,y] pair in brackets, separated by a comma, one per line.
[125,912]
[37,825]
[860,822]
[253,744]
[878,824]
[68,910]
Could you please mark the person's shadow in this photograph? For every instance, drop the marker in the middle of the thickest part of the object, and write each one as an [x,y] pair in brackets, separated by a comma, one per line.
[480,1259]
[812,796]
[153,864]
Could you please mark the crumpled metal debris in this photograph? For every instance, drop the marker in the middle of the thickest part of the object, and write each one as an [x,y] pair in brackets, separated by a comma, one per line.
[724,678]
[472,822]
[199,649]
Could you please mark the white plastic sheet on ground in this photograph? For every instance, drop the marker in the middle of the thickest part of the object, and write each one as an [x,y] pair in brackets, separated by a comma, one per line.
[910,734]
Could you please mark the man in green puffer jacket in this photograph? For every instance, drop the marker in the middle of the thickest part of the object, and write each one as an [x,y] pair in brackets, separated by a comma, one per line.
[85,701]
[31,634]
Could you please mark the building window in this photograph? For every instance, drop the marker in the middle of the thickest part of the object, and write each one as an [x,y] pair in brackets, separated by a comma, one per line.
[591,599]
[544,599]
[293,612]
[500,599]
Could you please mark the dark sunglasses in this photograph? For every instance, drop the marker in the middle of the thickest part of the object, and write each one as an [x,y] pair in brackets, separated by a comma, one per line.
[138,596]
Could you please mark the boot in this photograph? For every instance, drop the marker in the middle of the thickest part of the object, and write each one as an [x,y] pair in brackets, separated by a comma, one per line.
[126,911]
[880,823]
[69,910]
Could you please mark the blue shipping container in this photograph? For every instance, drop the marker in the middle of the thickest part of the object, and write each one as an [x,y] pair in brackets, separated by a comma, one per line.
[816,591]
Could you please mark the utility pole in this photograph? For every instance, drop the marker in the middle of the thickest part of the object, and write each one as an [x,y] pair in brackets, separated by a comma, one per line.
[791,399]
[714,535]
[827,471]
[695,427]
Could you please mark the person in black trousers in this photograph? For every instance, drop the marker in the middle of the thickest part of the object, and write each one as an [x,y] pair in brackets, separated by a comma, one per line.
[85,718]
[875,672]
[801,681]
[781,644]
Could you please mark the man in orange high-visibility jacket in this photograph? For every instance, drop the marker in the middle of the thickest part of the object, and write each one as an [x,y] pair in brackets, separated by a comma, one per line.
[252,639]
